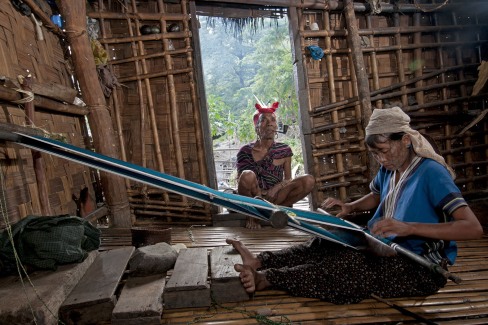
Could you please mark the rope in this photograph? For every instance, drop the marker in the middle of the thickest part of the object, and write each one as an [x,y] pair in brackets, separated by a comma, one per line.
[429,10]
[20,267]
[29,98]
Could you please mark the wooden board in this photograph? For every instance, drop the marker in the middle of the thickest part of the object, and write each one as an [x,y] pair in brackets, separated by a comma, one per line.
[226,285]
[50,289]
[141,301]
[93,299]
[188,285]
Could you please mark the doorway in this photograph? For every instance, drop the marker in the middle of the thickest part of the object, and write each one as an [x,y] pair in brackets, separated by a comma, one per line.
[246,61]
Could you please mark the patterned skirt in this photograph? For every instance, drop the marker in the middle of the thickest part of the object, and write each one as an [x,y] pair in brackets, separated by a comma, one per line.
[334,273]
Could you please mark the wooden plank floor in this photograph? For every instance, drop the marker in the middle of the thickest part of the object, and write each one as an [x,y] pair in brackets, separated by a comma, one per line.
[465,303]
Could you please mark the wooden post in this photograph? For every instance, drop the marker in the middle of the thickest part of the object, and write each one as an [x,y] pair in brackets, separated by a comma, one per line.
[303,95]
[104,139]
[358,60]
[38,162]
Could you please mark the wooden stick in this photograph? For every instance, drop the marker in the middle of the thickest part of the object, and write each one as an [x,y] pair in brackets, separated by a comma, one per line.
[149,56]
[388,30]
[353,100]
[335,5]
[157,74]
[404,311]
[137,16]
[150,37]
[399,59]
[335,117]
[44,103]
[38,162]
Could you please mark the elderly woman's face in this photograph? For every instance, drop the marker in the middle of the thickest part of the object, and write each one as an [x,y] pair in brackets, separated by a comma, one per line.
[267,126]
[393,155]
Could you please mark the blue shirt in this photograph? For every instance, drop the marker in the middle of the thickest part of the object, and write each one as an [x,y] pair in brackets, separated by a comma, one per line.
[428,195]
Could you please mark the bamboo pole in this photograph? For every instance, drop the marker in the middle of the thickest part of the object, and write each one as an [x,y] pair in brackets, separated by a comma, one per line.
[44,103]
[399,59]
[374,64]
[116,107]
[157,74]
[115,99]
[150,56]
[468,157]
[384,94]
[336,5]
[369,31]
[38,161]
[335,116]
[362,77]
[136,15]
[137,47]
[174,125]
[150,37]
[104,139]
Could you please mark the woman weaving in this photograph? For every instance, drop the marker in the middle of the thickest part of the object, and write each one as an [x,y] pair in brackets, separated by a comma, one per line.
[417,206]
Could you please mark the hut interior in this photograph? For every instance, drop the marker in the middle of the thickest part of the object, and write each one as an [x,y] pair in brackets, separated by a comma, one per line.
[124,78]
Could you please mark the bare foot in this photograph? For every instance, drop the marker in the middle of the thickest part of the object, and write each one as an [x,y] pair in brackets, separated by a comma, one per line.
[251,280]
[247,256]
[252,223]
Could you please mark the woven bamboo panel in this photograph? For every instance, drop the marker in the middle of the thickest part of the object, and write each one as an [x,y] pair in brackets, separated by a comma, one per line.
[424,62]
[22,53]
[156,104]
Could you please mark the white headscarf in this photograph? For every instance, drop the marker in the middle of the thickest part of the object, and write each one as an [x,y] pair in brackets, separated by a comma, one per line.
[394,120]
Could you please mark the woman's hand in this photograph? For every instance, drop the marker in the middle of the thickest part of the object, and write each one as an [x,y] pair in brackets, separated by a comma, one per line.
[391,227]
[273,193]
[331,202]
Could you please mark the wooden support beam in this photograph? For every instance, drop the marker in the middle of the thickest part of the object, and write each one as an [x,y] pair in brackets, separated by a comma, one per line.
[37,161]
[41,102]
[104,138]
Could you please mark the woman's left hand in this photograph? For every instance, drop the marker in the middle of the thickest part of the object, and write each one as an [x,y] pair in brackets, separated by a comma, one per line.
[391,227]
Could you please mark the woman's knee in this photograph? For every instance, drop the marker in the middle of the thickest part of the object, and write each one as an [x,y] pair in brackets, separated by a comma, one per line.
[248,177]
[308,182]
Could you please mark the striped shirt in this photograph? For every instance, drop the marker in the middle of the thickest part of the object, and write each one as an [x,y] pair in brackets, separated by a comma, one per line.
[266,172]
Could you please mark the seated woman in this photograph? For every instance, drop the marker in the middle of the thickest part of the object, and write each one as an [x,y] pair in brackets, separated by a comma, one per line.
[264,166]
[417,204]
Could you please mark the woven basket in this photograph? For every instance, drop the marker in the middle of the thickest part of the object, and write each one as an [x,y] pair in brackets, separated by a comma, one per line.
[149,236]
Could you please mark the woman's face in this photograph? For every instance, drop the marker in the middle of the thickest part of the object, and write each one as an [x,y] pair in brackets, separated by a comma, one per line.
[393,155]
[267,126]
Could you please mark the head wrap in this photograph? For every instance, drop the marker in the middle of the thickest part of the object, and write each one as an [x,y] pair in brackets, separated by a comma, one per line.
[261,110]
[393,120]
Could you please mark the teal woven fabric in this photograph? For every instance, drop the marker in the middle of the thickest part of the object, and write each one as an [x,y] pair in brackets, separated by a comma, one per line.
[46,242]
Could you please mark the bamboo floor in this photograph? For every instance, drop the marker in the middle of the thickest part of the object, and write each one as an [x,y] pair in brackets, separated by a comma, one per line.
[465,303]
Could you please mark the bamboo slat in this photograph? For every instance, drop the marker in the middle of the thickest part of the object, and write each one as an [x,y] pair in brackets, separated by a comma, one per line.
[465,303]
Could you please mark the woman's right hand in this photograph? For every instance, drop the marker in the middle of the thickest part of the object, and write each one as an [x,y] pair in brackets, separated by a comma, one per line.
[331,202]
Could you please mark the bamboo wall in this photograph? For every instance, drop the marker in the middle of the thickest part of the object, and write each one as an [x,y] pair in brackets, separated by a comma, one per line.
[23,53]
[156,107]
[424,62]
